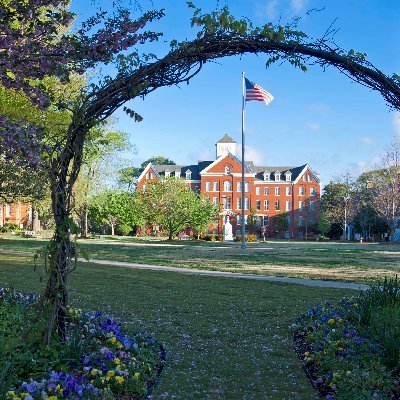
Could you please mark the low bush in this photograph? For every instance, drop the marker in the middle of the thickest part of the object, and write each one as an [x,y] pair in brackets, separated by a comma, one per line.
[98,360]
[211,237]
[351,350]
[247,238]
[11,228]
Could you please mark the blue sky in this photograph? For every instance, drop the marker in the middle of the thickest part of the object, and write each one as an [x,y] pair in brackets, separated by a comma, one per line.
[320,118]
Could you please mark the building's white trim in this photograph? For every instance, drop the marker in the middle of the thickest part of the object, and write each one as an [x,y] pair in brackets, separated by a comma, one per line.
[146,170]
[219,159]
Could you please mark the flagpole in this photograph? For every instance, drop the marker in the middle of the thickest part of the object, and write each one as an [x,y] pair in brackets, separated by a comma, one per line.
[243,180]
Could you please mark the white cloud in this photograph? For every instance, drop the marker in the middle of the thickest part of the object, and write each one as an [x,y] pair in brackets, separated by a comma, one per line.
[298,6]
[396,125]
[267,10]
[313,126]
[365,140]
[254,155]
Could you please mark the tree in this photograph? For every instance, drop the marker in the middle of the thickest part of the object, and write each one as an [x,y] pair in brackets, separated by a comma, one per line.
[385,187]
[127,178]
[171,204]
[101,148]
[309,214]
[158,160]
[282,221]
[114,208]
[338,201]
[323,223]
[202,213]
[219,35]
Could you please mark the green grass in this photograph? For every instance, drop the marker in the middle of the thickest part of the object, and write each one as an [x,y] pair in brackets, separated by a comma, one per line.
[326,260]
[226,338]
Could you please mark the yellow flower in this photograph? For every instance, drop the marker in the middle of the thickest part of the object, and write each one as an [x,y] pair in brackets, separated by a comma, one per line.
[331,321]
[94,372]
[110,373]
[136,376]
[112,340]
[52,398]
[119,379]
[117,361]
[307,353]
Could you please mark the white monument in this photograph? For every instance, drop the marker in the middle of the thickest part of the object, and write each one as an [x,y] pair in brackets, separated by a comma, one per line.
[228,237]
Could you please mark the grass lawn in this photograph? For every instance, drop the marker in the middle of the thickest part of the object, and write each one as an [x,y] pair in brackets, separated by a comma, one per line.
[226,338]
[326,260]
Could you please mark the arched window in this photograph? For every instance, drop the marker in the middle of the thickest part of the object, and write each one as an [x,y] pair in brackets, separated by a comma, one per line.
[227,170]
[188,175]
[227,186]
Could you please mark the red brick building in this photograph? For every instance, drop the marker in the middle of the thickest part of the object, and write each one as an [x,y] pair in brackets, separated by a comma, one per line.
[269,190]
[15,213]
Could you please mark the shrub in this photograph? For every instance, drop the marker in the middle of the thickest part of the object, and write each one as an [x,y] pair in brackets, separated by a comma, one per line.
[247,238]
[11,228]
[123,230]
[211,237]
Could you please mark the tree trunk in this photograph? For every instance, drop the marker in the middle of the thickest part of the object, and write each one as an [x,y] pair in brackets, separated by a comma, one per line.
[84,221]
[112,229]
[171,233]
[35,219]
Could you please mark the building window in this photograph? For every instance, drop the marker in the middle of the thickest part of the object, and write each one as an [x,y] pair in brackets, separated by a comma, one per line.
[277,176]
[301,191]
[309,178]
[258,190]
[312,207]
[216,187]
[287,205]
[239,186]
[312,191]
[208,186]
[188,175]
[246,187]
[277,191]
[266,176]
[300,205]
[258,204]
[300,220]
[288,176]
[277,205]
[196,189]
[227,186]
[304,178]
[144,188]
[266,191]
[288,219]
[246,203]
[8,210]
[177,174]
[215,200]
[226,202]
[239,203]
[266,205]
[151,175]
[265,220]
[167,174]
[147,175]
[288,191]
[227,170]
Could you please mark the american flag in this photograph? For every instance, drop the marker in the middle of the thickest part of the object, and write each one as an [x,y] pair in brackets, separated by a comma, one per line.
[257,93]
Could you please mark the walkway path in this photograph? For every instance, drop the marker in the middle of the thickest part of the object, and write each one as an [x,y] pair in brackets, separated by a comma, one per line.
[189,271]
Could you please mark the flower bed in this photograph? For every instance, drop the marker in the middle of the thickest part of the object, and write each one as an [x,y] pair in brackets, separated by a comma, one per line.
[352,350]
[98,360]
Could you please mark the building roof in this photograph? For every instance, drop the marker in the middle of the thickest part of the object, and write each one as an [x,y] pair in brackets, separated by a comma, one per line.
[226,139]
[295,171]
[195,169]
